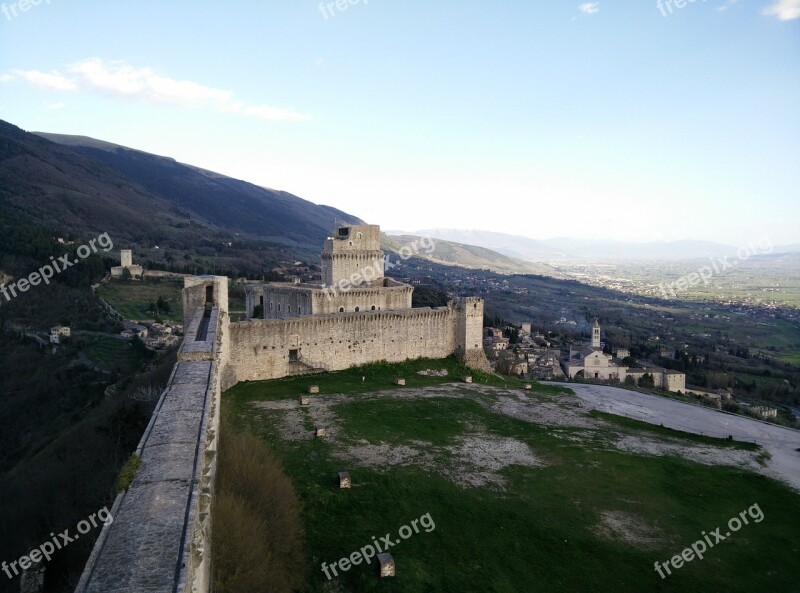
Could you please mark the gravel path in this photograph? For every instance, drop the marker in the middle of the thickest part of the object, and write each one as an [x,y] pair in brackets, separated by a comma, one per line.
[781,443]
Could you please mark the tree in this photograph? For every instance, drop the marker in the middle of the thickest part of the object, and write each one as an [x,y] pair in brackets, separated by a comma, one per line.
[162,305]
[126,274]
[629,380]
[428,296]
[647,380]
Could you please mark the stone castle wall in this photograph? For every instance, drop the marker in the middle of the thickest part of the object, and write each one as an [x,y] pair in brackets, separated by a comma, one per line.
[287,301]
[272,348]
[160,539]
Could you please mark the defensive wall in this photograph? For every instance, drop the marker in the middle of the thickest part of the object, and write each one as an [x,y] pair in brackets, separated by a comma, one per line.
[160,539]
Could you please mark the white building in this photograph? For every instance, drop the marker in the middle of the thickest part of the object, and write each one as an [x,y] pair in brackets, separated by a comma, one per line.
[590,362]
[126,263]
[57,332]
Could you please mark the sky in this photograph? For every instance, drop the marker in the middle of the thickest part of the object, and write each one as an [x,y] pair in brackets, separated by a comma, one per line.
[628,120]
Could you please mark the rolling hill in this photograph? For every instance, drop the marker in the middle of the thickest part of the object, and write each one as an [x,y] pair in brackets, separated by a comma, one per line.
[470,256]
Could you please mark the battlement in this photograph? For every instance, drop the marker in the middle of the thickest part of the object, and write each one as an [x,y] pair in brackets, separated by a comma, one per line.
[350,238]
[352,250]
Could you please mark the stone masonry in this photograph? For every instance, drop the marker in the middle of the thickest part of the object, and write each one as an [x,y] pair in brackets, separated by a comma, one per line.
[159,541]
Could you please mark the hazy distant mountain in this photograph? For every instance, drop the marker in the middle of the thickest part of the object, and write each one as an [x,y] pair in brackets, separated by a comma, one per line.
[516,246]
[469,256]
[564,249]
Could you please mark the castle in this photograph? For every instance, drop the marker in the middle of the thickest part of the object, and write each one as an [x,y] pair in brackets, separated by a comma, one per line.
[126,263]
[161,534]
[356,316]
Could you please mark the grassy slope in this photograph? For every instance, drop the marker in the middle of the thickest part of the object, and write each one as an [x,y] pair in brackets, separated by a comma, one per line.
[132,298]
[540,534]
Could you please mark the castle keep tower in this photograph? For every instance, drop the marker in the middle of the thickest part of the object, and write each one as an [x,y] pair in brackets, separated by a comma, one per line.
[353,281]
[352,250]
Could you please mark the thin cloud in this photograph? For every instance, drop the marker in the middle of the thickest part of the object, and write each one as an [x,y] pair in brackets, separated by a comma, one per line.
[52,80]
[785,10]
[589,7]
[726,6]
[54,106]
[121,80]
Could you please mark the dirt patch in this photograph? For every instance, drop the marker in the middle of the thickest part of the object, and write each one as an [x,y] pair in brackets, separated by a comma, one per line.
[626,527]
[478,458]
[562,411]
[474,461]
[375,456]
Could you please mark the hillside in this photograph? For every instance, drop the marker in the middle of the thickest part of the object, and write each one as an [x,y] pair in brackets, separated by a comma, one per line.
[218,200]
[469,256]
[165,210]
[80,185]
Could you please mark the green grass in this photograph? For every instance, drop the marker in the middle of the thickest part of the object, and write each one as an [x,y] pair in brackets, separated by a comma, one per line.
[112,354]
[132,298]
[437,420]
[379,375]
[128,473]
[791,359]
[539,533]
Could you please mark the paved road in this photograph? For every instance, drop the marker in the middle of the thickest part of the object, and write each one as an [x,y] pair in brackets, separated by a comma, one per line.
[782,443]
[38,338]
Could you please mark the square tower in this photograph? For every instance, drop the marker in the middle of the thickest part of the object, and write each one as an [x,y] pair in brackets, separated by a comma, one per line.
[596,334]
[353,249]
[125,258]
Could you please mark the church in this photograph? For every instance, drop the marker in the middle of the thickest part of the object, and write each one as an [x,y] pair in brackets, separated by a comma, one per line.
[590,362]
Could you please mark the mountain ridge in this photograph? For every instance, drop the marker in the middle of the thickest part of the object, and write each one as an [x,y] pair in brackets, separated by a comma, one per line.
[565,249]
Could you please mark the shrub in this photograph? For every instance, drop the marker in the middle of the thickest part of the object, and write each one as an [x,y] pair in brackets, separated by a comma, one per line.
[128,472]
[258,537]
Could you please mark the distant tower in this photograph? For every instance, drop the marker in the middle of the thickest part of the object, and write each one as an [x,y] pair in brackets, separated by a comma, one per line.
[125,258]
[596,334]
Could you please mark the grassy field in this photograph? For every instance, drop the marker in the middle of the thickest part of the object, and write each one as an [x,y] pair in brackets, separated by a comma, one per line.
[586,517]
[112,354]
[132,298]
